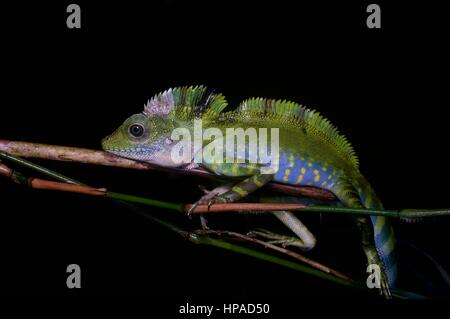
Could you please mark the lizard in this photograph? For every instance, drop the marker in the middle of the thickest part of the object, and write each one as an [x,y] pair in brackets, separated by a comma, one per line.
[311,152]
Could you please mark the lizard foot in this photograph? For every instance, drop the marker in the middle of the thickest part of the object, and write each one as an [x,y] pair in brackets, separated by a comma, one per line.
[278,239]
[209,196]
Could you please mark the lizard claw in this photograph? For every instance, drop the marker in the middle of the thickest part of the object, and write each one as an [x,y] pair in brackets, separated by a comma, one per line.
[277,239]
[191,210]
[209,197]
[217,199]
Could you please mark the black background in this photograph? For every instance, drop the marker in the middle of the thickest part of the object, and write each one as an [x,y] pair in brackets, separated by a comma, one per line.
[386,89]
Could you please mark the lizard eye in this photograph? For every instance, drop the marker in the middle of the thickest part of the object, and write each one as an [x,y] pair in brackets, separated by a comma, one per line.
[136,130]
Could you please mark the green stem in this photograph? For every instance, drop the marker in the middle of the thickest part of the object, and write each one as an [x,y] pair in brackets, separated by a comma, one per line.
[145,201]
[404,213]
[153,218]
[24,163]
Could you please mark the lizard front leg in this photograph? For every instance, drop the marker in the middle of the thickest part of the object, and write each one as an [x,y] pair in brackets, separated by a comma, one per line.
[305,241]
[242,189]
[207,197]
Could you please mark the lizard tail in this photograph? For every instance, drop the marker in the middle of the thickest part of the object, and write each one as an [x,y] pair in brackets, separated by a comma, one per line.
[383,232]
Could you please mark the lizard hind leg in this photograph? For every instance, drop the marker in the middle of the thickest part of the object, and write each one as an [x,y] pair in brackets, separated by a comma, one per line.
[305,240]
[298,228]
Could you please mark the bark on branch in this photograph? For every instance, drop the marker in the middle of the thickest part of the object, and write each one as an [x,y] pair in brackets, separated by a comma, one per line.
[87,156]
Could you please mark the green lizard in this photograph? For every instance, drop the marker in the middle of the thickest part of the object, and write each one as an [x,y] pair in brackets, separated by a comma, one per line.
[310,152]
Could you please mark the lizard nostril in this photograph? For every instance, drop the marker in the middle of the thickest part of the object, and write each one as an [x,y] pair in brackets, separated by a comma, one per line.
[105,141]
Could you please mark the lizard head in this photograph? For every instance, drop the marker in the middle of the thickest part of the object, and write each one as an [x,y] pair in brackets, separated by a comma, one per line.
[147,136]
[143,138]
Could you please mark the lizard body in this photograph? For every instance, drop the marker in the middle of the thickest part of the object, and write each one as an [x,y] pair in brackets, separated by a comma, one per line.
[311,152]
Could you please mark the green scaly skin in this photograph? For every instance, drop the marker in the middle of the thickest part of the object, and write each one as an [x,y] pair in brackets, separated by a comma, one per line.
[311,152]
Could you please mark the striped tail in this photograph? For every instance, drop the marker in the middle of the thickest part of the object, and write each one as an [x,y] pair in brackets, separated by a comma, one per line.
[383,232]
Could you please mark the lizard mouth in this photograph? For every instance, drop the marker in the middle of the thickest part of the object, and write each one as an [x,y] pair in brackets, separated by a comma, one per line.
[132,153]
[125,151]
[138,154]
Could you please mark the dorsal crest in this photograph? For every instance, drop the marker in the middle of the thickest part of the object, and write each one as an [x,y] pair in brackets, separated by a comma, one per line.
[186,102]
[311,121]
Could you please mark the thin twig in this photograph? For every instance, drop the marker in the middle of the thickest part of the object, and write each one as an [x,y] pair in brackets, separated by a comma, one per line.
[5,170]
[38,183]
[279,249]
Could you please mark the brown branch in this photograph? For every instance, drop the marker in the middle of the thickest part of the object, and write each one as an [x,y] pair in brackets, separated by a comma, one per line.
[282,250]
[5,170]
[38,183]
[87,156]
[70,154]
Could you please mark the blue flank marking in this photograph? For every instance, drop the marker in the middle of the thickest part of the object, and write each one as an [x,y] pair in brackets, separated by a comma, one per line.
[309,175]
[283,164]
[292,179]
[295,171]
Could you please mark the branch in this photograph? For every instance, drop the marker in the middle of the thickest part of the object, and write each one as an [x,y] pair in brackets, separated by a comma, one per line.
[87,156]
[282,250]
[77,187]
[38,183]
